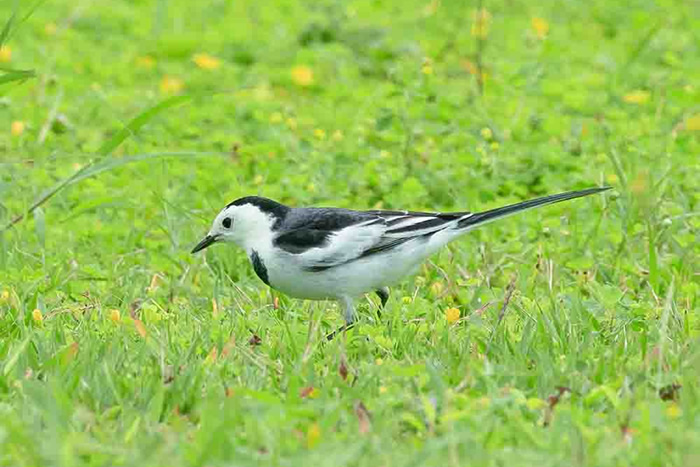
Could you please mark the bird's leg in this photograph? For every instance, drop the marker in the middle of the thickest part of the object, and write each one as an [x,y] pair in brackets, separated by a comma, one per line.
[383,295]
[348,314]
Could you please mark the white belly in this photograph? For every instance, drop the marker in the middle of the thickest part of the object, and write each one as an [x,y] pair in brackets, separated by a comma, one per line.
[351,279]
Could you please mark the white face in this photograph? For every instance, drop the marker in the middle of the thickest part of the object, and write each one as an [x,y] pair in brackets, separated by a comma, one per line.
[244,225]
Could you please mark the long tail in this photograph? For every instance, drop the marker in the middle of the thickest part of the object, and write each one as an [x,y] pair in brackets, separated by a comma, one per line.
[488,216]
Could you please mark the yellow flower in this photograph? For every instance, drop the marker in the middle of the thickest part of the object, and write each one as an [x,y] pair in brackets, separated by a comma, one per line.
[337,135]
[495,145]
[258,179]
[693,123]
[406,299]
[486,133]
[313,435]
[302,75]
[481,23]
[37,316]
[319,133]
[17,128]
[171,85]
[206,62]
[382,389]
[673,411]
[452,315]
[541,27]
[427,68]
[146,61]
[115,316]
[5,54]
[50,29]
[276,117]
[379,362]
[291,123]
[5,295]
[612,178]
[637,97]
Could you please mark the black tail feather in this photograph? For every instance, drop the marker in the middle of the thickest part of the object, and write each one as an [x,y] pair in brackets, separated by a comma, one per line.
[487,216]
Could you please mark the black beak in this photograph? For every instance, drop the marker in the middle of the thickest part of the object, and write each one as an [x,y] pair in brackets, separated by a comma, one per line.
[206,241]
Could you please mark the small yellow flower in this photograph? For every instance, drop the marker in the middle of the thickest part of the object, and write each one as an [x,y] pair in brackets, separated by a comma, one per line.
[612,178]
[319,133]
[292,123]
[146,61]
[313,435]
[171,85]
[214,308]
[258,179]
[673,411]
[311,188]
[5,54]
[206,62]
[693,123]
[276,117]
[486,133]
[4,296]
[50,29]
[406,299]
[637,97]
[541,27]
[481,21]
[337,135]
[37,316]
[302,75]
[115,316]
[382,389]
[452,315]
[495,145]
[379,362]
[17,128]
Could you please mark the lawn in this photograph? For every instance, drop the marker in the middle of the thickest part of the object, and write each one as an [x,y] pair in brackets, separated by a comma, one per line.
[562,336]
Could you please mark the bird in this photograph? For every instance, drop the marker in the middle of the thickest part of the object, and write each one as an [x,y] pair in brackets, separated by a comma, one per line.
[322,253]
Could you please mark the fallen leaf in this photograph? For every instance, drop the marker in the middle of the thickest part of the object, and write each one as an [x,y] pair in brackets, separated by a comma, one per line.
[670,392]
[552,402]
[343,369]
[255,340]
[140,328]
[364,418]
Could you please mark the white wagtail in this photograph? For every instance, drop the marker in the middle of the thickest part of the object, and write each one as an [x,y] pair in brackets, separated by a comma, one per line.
[341,254]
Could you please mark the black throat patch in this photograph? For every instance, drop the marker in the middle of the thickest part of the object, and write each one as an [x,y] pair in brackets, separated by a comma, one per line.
[259,267]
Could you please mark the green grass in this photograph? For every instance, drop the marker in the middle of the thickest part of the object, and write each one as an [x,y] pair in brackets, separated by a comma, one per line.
[605,299]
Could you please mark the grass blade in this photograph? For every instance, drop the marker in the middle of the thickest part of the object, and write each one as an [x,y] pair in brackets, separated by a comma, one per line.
[134,125]
[138,122]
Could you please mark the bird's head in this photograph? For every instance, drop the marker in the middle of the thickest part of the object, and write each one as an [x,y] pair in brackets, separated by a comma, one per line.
[245,222]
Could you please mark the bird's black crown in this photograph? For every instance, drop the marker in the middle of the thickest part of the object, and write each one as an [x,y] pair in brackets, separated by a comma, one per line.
[266,205]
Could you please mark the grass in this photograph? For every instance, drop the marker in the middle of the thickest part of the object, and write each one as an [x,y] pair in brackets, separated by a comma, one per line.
[117,347]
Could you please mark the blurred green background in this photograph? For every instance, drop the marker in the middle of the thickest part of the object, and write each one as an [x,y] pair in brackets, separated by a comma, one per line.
[117,347]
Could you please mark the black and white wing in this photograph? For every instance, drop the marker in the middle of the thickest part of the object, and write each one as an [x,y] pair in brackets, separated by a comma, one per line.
[324,238]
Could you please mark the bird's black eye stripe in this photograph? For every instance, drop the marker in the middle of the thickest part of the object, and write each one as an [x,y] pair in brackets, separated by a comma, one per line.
[226,222]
